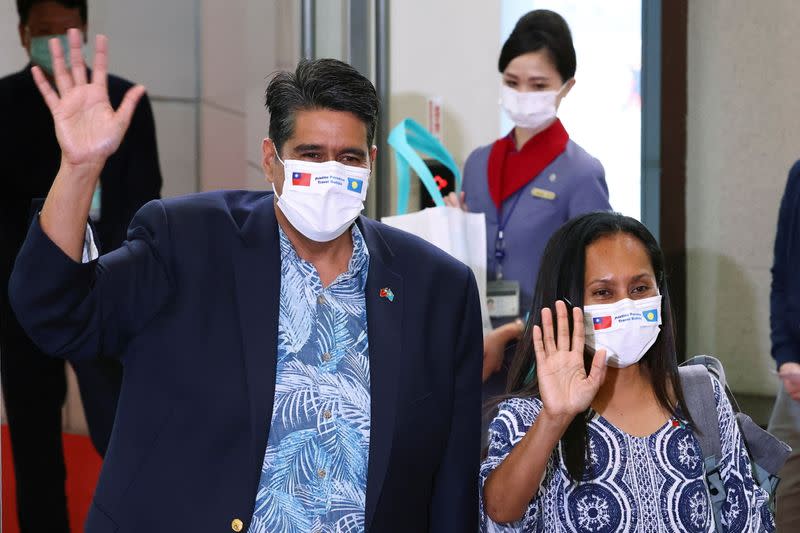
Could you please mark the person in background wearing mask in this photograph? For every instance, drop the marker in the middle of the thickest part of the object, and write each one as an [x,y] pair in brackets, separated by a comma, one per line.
[34,385]
[280,374]
[594,434]
[529,182]
[785,322]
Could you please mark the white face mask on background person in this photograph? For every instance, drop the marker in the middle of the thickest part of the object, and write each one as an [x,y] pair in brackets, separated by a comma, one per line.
[530,109]
[625,329]
[322,200]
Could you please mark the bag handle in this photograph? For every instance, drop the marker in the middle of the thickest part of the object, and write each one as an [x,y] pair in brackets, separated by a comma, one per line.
[408,138]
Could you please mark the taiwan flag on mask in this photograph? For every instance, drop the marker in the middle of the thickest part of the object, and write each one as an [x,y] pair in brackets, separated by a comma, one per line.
[301,179]
[601,322]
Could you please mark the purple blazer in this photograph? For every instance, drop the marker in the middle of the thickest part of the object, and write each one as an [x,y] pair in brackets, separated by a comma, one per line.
[574,183]
[578,183]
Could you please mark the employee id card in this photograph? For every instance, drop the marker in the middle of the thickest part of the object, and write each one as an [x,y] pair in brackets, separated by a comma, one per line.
[502,298]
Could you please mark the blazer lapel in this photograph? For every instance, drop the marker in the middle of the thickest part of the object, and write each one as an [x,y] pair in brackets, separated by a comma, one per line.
[257,267]
[385,333]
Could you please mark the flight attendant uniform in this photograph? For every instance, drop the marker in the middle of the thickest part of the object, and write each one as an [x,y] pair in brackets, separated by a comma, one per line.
[526,195]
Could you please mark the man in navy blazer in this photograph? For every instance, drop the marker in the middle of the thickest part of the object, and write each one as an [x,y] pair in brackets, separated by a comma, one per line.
[200,301]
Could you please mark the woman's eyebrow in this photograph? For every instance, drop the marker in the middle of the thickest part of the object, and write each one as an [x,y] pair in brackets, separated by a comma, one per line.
[601,280]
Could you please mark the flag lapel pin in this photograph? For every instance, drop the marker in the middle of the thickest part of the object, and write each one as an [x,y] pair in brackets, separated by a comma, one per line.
[387,293]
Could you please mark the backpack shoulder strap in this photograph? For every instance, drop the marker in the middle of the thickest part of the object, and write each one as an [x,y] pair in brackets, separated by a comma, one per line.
[699,395]
[698,392]
[715,368]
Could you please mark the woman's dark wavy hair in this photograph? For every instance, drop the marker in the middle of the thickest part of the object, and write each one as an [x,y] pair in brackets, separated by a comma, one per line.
[562,276]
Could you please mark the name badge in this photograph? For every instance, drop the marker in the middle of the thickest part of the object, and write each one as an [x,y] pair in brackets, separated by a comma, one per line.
[502,298]
[543,194]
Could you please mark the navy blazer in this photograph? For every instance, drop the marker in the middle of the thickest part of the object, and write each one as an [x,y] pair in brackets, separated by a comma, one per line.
[785,293]
[191,302]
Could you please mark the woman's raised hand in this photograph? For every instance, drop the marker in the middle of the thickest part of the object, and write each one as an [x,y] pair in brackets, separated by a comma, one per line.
[88,129]
[565,388]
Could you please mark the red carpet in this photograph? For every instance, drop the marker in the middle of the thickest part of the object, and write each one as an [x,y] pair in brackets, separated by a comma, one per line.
[83,468]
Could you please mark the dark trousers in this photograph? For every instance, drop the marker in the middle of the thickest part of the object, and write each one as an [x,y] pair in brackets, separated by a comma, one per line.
[785,424]
[34,389]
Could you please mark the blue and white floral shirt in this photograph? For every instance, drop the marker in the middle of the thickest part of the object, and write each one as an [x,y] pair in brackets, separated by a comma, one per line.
[314,475]
[631,484]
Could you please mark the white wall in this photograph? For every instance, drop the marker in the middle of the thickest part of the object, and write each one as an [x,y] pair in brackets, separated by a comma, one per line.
[448,49]
[243,42]
[742,136]
[155,43]
[12,55]
[222,118]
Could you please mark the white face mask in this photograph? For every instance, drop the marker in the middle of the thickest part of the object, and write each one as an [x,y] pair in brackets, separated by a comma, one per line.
[625,329]
[322,200]
[530,110]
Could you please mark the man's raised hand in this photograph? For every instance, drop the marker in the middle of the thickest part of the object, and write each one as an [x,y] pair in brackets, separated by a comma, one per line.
[88,129]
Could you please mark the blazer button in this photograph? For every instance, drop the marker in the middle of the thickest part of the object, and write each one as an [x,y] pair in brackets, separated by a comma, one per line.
[237,525]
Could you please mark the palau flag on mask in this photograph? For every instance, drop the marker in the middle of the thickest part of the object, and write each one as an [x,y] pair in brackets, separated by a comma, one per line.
[355,185]
[651,315]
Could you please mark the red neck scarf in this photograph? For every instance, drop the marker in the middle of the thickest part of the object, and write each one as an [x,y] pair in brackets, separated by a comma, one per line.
[510,169]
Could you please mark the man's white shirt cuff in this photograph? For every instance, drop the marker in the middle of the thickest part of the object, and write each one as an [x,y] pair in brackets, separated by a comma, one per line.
[90,252]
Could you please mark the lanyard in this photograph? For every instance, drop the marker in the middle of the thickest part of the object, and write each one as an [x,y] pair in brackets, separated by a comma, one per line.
[499,243]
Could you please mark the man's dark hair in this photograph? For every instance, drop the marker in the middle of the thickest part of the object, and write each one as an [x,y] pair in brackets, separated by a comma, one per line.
[24,8]
[319,84]
[541,30]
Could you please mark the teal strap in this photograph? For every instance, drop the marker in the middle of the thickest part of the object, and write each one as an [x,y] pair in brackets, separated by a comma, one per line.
[409,138]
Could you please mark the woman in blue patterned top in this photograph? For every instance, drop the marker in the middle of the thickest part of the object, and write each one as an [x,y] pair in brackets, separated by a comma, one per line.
[594,435]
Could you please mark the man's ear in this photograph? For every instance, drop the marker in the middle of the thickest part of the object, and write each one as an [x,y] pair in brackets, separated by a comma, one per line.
[268,155]
[272,166]
[373,153]
[23,36]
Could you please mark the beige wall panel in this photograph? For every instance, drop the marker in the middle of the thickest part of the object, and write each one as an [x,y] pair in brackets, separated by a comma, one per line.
[742,136]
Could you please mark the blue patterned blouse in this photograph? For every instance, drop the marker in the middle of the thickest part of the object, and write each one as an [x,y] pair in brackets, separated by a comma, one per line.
[314,475]
[631,484]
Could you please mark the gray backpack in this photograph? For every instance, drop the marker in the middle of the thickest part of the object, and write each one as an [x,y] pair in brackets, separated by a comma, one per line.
[767,453]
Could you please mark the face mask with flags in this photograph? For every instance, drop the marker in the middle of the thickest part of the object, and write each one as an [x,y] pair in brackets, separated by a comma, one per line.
[626,329]
[322,200]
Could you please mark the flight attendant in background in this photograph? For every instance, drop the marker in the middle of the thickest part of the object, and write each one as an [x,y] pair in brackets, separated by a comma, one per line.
[529,182]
